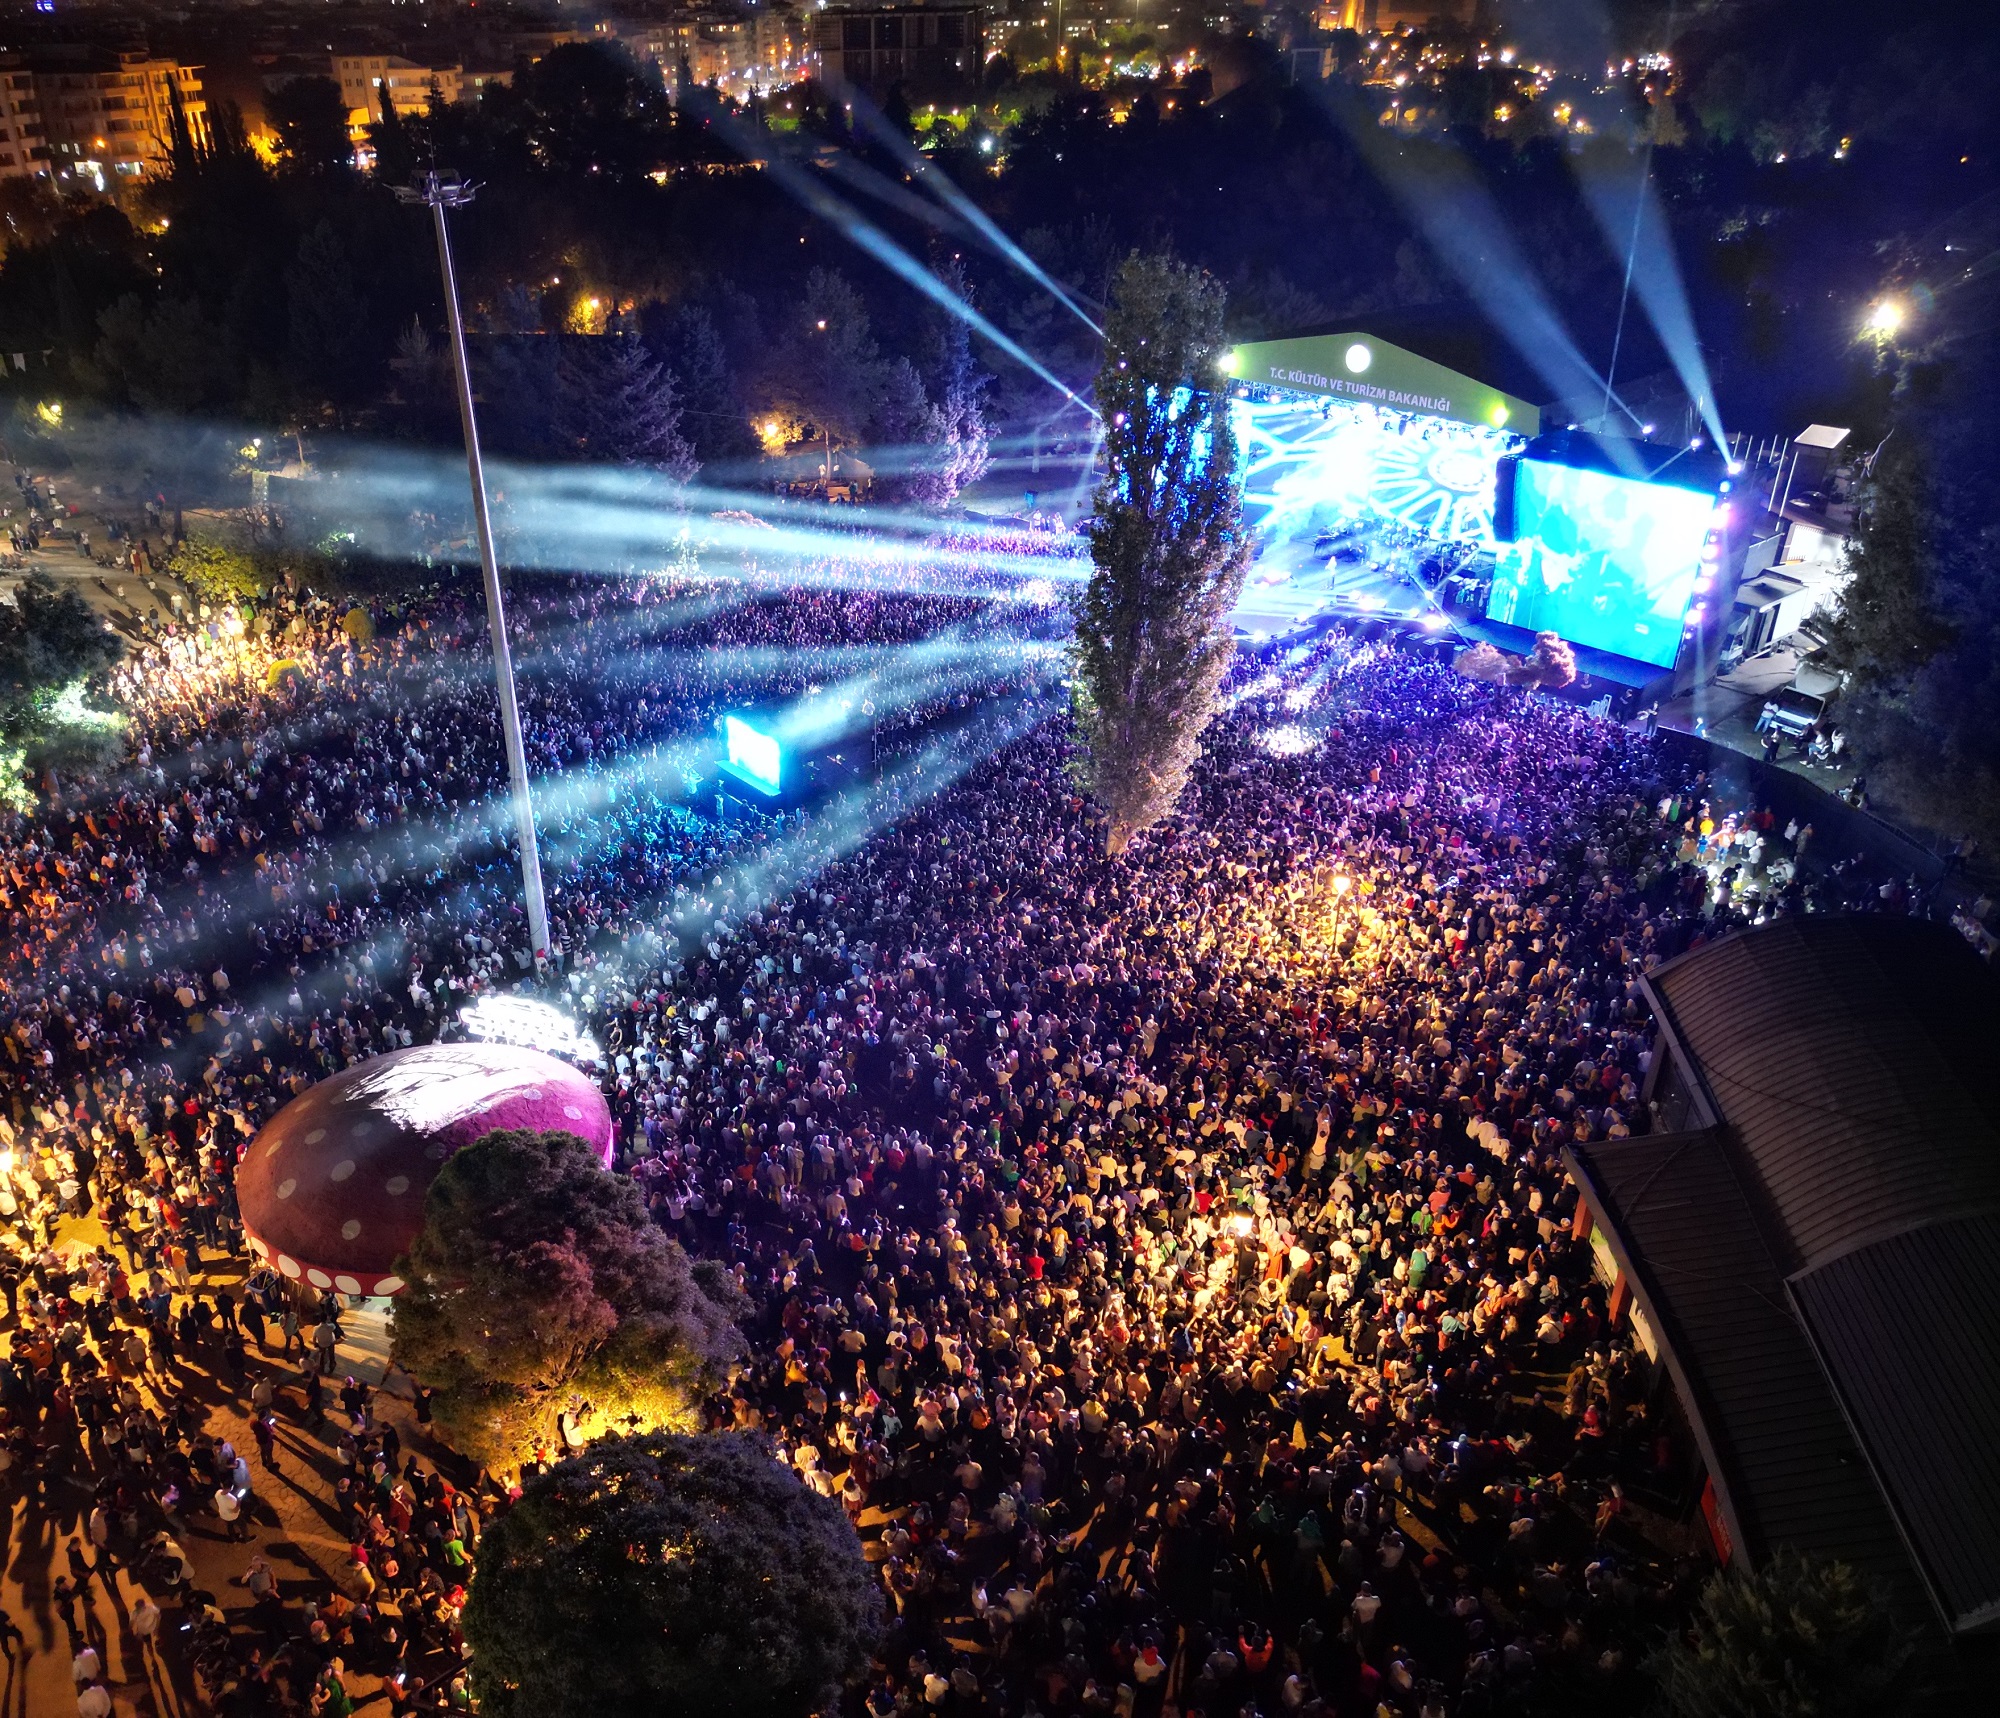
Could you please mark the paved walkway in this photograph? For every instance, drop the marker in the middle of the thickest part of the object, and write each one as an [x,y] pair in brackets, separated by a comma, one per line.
[294,1521]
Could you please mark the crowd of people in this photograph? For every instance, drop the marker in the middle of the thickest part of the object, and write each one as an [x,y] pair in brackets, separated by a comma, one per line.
[1168,1261]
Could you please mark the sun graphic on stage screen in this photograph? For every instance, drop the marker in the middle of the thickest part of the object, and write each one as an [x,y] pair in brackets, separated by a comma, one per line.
[1310,466]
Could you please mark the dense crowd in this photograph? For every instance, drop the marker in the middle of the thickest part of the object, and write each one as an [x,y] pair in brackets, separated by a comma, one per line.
[1168,1261]
[1178,1251]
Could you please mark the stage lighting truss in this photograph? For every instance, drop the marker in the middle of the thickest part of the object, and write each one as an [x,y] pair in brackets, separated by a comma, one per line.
[1319,467]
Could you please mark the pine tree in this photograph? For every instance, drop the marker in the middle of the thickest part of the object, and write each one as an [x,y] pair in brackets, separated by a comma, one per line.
[615,405]
[1169,543]
[714,418]
[829,369]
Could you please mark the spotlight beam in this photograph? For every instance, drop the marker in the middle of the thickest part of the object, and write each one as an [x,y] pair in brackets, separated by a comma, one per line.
[858,230]
[1458,218]
[940,184]
[570,519]
[1629,214]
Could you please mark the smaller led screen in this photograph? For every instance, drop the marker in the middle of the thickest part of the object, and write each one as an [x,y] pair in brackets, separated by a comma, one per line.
[752,755]
[1607,562]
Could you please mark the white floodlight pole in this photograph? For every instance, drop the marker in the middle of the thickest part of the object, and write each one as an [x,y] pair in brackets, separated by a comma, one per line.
[439,193]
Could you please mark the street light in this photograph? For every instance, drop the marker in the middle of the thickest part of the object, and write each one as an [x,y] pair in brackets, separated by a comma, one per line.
[438,193]
[1886,318]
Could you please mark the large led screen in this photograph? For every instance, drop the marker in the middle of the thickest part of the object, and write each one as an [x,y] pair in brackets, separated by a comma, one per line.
[1608,562]
[1309,469]
[751,755]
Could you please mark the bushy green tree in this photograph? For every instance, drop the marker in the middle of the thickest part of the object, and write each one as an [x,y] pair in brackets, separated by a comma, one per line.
[50,638]
[1888,625]
[310,118]
[1168,542]
[51,642]
[679,1577]
[540,1286]
[1918,627]
[169,357]
[217,572]
[1796,1638]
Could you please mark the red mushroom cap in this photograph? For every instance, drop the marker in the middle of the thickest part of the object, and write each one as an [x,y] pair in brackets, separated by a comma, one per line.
[332,1188]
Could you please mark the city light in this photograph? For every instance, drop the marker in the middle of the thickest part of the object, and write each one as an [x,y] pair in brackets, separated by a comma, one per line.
[1886,319]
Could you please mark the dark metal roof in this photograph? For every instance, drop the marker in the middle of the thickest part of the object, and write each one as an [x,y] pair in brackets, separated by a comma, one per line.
[1785,1465]
[1845,1053]
[1920,1382]
[1842,1056]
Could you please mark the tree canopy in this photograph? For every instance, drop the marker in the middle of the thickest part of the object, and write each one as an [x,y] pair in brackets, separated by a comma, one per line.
[1918,627]
[310,118]
[219,572]
[1168,542]
[49,639]
[540,1286]
[1798,1638]
[51,643]
[670,1576]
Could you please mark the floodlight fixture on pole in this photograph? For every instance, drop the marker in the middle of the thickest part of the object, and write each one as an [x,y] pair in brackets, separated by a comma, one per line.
[439,192]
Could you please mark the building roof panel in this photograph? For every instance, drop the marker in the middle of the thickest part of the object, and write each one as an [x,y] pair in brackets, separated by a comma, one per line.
[1909,1329]
[1772,1432]
[1841,1050]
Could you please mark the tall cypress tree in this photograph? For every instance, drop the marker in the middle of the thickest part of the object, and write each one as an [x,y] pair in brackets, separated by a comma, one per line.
[181,148]
[1169,543]
[394,157]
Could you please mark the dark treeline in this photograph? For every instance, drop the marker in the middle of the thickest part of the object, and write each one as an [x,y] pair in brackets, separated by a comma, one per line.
[303,294]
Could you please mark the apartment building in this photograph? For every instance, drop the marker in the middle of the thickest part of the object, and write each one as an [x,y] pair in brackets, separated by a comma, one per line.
[410,85]
[734,53]
[24,147]
[94,110]
[929,49]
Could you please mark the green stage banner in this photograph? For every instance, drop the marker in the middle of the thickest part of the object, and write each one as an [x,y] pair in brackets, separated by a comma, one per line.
[1361,368]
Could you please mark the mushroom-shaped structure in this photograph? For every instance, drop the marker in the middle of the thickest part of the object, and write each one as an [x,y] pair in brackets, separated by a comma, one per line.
[332,1188]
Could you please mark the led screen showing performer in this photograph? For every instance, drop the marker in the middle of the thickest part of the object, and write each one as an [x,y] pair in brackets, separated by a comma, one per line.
[1608,562]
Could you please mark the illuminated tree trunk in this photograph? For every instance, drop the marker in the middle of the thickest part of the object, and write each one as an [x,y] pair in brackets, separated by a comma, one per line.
[1152,627]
